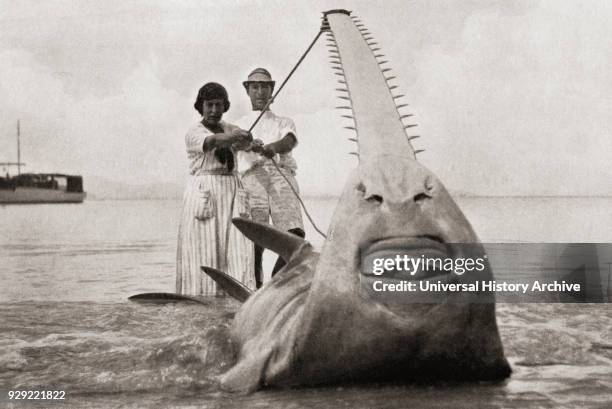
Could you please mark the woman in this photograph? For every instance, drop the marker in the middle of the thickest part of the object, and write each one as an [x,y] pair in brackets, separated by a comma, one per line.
[214,195]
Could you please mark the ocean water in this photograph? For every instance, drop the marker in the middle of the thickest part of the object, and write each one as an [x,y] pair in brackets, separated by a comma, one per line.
[65,323]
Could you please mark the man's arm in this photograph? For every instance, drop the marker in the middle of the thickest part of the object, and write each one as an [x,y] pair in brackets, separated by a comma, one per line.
[284,145]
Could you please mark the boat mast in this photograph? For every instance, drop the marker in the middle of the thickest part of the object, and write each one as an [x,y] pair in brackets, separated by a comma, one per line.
[18,150]
[18,163]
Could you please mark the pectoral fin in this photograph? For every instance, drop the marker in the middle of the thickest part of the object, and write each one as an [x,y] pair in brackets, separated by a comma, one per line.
[165,298]
[248,374]
[281,242]
[229,284]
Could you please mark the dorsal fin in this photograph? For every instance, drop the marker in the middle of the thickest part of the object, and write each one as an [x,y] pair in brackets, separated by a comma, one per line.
[229,284]
[281,242]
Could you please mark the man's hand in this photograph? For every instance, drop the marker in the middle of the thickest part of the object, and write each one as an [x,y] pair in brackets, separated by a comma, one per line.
[257,145]
[268,151]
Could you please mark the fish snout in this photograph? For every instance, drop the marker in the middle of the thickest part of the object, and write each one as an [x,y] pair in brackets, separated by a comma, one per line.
[399,184]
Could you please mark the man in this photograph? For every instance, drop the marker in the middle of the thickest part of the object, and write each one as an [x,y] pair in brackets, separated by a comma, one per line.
[271,195]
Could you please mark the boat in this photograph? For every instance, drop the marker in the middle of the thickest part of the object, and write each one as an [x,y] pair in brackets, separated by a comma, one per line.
[25,188]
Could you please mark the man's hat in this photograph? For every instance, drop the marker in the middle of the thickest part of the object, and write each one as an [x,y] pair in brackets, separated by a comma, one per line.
[258,75]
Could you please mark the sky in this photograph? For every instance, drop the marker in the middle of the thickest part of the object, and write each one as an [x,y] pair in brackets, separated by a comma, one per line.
[511,97]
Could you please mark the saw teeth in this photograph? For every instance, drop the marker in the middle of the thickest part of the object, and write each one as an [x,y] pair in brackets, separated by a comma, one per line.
[381,61]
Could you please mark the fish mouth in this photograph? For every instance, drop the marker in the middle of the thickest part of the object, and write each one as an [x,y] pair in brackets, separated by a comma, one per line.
[405,258]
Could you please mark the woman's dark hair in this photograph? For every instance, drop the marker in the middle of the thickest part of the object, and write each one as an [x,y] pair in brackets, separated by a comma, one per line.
[211,90]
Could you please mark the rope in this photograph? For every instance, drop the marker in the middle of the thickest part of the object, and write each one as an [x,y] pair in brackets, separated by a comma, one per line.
[265,108]
[297,195]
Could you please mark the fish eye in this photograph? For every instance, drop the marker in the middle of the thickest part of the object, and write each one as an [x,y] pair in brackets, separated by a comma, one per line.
[370,198]
[375,198]
[421,196]
[429,185]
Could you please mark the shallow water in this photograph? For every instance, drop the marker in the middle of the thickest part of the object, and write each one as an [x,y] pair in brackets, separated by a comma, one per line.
[119,353]
[67,270]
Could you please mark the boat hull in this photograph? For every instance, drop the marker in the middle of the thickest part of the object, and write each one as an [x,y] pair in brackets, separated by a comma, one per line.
[27,195]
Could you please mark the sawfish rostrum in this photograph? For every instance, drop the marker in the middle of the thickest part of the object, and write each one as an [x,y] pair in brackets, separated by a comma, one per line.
[311,323]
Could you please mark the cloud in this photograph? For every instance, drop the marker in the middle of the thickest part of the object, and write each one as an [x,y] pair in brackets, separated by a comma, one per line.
[135,135]
[523,105]
[511,98]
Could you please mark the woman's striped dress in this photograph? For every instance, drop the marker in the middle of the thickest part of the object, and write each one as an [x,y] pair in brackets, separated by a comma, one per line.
[207,236]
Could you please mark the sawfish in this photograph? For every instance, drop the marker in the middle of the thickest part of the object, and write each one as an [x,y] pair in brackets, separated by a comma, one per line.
[311,324]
